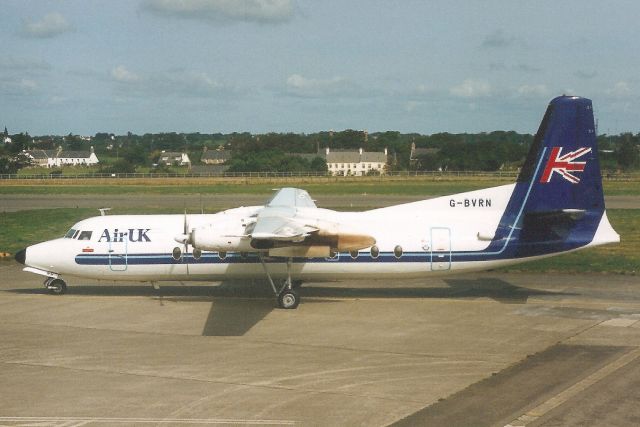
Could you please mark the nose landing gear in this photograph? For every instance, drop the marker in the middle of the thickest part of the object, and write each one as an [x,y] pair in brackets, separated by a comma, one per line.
[56,286]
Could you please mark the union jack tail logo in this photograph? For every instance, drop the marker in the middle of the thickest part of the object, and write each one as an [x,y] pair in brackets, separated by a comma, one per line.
[565,165]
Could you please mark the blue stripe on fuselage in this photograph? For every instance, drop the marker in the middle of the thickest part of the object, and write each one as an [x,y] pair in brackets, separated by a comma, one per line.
[365,257]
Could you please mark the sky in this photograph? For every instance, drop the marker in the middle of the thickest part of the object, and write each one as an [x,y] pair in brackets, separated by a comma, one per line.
[88,66]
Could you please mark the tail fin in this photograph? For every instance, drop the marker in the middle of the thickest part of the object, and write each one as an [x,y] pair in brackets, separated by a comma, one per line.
[558,203]
[563,160]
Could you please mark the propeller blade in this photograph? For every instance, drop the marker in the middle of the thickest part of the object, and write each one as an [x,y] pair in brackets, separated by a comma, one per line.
[185,231]
[187,236]
[185,225]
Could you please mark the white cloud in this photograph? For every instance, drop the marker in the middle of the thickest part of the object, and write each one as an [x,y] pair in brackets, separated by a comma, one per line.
[471,88]
[19,87]
[174,83]
[533,91]
[411,106]
[121,74]
[422,89]
[193,83]
[27,84]
[58,100]
[51,25]
[316,88]
[619,90]
[260,11]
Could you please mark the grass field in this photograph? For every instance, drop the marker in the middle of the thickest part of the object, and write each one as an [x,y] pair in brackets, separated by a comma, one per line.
[20,229]
[414,186]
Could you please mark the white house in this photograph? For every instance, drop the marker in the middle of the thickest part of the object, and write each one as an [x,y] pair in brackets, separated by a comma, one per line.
[5,136]
[42,158]
[65,158]
[57,158]
[170,158]
[356,163]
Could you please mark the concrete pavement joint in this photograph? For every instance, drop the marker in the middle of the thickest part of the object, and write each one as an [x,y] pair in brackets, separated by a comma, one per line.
[570,392]
[78,421]
[201,380]
[444,358]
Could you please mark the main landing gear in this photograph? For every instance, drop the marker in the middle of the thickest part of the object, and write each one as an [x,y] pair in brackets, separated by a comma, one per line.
[56,286]
[288,297]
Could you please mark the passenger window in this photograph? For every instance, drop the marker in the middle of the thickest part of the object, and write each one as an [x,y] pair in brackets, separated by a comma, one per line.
[84,235]
[397,251]
[70,234]
[375,252]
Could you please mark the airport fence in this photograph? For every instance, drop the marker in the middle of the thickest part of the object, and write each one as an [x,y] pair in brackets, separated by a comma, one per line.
[388,175]
[267,174]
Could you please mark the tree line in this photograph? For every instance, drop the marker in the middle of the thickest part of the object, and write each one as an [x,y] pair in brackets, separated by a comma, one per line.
[297,152]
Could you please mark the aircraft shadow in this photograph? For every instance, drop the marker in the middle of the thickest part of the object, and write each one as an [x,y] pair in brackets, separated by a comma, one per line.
[195,293]
[497,289]
[233,317]
[489,287]
[237,306]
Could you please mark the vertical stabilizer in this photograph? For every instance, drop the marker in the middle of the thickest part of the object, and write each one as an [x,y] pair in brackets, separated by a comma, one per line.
[558,203]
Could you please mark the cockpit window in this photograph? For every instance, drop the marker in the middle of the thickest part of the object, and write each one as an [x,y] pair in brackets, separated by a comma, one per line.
[84,235]
[77,234]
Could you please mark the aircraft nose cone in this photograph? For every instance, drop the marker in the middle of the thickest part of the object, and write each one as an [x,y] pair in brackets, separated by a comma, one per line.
[21,255]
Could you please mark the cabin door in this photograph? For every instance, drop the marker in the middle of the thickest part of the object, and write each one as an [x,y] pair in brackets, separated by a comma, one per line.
[118,253]
[440,248]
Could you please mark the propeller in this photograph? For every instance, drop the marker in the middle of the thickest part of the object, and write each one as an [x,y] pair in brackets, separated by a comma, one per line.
[186,238]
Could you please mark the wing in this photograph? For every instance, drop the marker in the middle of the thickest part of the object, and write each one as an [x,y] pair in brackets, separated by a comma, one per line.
[277,220]
[291,197]
[283,229]
[279,223]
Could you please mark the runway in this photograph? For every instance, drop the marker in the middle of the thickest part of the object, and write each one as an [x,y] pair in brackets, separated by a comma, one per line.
[482,350]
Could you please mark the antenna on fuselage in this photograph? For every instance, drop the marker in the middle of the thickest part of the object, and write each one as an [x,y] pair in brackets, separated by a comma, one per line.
[103,211]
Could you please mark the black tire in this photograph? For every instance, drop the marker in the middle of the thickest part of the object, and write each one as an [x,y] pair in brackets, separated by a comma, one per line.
[57,287]
[288,299]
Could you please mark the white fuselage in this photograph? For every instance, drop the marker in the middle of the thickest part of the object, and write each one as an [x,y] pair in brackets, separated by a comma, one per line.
[412,240]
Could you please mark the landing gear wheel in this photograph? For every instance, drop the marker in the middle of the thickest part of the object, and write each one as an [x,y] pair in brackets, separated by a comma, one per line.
[288,299]
[57,287]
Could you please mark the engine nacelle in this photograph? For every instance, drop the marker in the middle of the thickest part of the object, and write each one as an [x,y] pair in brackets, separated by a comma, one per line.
[222,236]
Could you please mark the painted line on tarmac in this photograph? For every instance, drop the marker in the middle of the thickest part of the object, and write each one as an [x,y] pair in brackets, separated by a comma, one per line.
[80,421]
[560,398]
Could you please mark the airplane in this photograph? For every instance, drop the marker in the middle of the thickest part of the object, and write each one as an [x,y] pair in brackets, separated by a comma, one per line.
[555,206]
